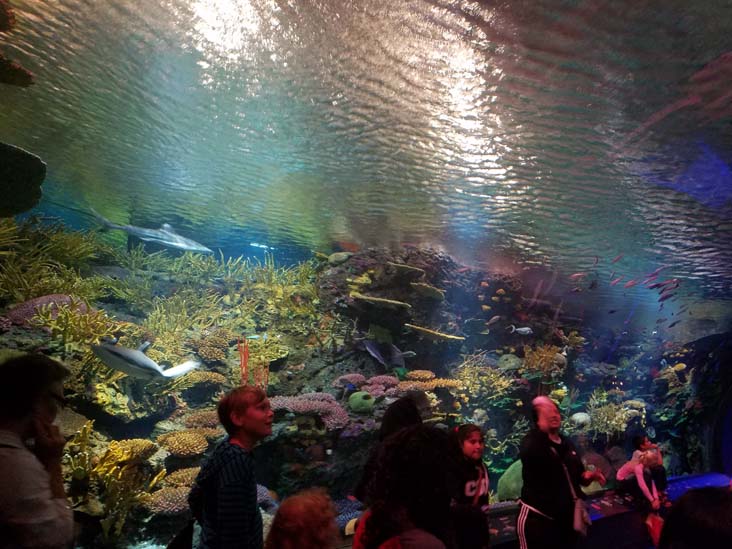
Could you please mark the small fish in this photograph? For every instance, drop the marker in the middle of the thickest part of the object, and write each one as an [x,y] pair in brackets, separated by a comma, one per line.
[612,311]
[614,282]
[664,297]
[658,270]
[617,258]
[493,320]
[673,324]
[525,330]
[630,283]
[661,320]
[577,276]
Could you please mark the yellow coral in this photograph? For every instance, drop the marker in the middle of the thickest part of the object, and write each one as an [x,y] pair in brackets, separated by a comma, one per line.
[431,385]
[196,378]
[420,375]
[544,360]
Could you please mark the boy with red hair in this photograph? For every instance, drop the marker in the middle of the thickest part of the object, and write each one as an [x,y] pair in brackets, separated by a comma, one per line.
[224,496]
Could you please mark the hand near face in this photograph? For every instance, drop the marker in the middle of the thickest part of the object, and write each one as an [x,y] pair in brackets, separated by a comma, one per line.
[50,443]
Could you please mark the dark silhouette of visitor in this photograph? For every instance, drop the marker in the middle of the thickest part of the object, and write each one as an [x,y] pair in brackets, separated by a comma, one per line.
[34,511]
[700,519]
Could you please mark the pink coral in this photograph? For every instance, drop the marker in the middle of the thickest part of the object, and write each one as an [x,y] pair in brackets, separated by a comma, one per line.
[323,404]
[374,390]
[385,381]
[353,379]
[22,313]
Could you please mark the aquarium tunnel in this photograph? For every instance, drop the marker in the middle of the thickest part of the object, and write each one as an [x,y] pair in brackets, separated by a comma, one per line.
[345,202]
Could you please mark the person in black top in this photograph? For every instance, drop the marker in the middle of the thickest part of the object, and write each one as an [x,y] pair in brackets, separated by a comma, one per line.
[224,497]
[546,513]
[469,509]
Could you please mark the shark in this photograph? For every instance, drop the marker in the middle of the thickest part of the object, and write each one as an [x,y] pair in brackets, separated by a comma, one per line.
[165,235]
[136,364]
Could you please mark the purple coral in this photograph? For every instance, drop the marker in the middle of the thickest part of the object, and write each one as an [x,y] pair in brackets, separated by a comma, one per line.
[323,404]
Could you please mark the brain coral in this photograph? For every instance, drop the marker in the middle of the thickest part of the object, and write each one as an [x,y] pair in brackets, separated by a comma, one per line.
[169,501]
[184,443]
[202,418]
[182,477]
[139,448]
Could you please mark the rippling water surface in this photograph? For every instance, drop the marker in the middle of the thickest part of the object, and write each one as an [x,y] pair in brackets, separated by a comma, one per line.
[555,134]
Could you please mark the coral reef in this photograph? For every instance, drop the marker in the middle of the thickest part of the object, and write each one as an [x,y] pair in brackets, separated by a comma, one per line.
[321,404]
[184,443]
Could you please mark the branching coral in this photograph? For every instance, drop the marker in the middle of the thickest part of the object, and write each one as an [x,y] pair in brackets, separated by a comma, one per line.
[44,259]
[75,323]
[485,384]
[608,418]
[546,361]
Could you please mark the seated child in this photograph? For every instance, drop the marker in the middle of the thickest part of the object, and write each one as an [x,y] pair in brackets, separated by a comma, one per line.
[635,478]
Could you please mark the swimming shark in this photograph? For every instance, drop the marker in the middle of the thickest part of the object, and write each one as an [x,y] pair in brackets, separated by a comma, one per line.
[165,236]
[135,363]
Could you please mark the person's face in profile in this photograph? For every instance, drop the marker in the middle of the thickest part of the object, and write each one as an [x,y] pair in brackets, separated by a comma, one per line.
[255,420]
[49,403]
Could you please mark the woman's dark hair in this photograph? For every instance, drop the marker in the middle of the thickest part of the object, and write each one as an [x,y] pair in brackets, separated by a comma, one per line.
[700,518]
[411,481]
[399,414]
[638,441]
[23,380]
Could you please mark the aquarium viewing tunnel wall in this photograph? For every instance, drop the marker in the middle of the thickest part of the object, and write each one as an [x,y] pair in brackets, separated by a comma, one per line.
[347,202]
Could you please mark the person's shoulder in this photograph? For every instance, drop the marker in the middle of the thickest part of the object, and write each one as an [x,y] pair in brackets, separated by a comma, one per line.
[533,440]
[419,539]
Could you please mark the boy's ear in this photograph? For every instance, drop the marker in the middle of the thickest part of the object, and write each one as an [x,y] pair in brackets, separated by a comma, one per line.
[236,418]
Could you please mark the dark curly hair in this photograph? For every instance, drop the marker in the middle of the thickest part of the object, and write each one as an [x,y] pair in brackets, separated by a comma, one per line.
[411,483]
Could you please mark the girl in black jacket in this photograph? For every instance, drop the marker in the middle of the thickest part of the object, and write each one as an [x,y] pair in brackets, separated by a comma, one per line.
[470,505]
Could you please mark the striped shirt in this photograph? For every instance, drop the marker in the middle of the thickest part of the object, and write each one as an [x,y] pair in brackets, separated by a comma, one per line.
[224,500]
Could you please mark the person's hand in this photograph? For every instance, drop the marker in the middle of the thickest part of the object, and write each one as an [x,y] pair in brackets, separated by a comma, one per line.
[599,477]
[50,443]
[655,504]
